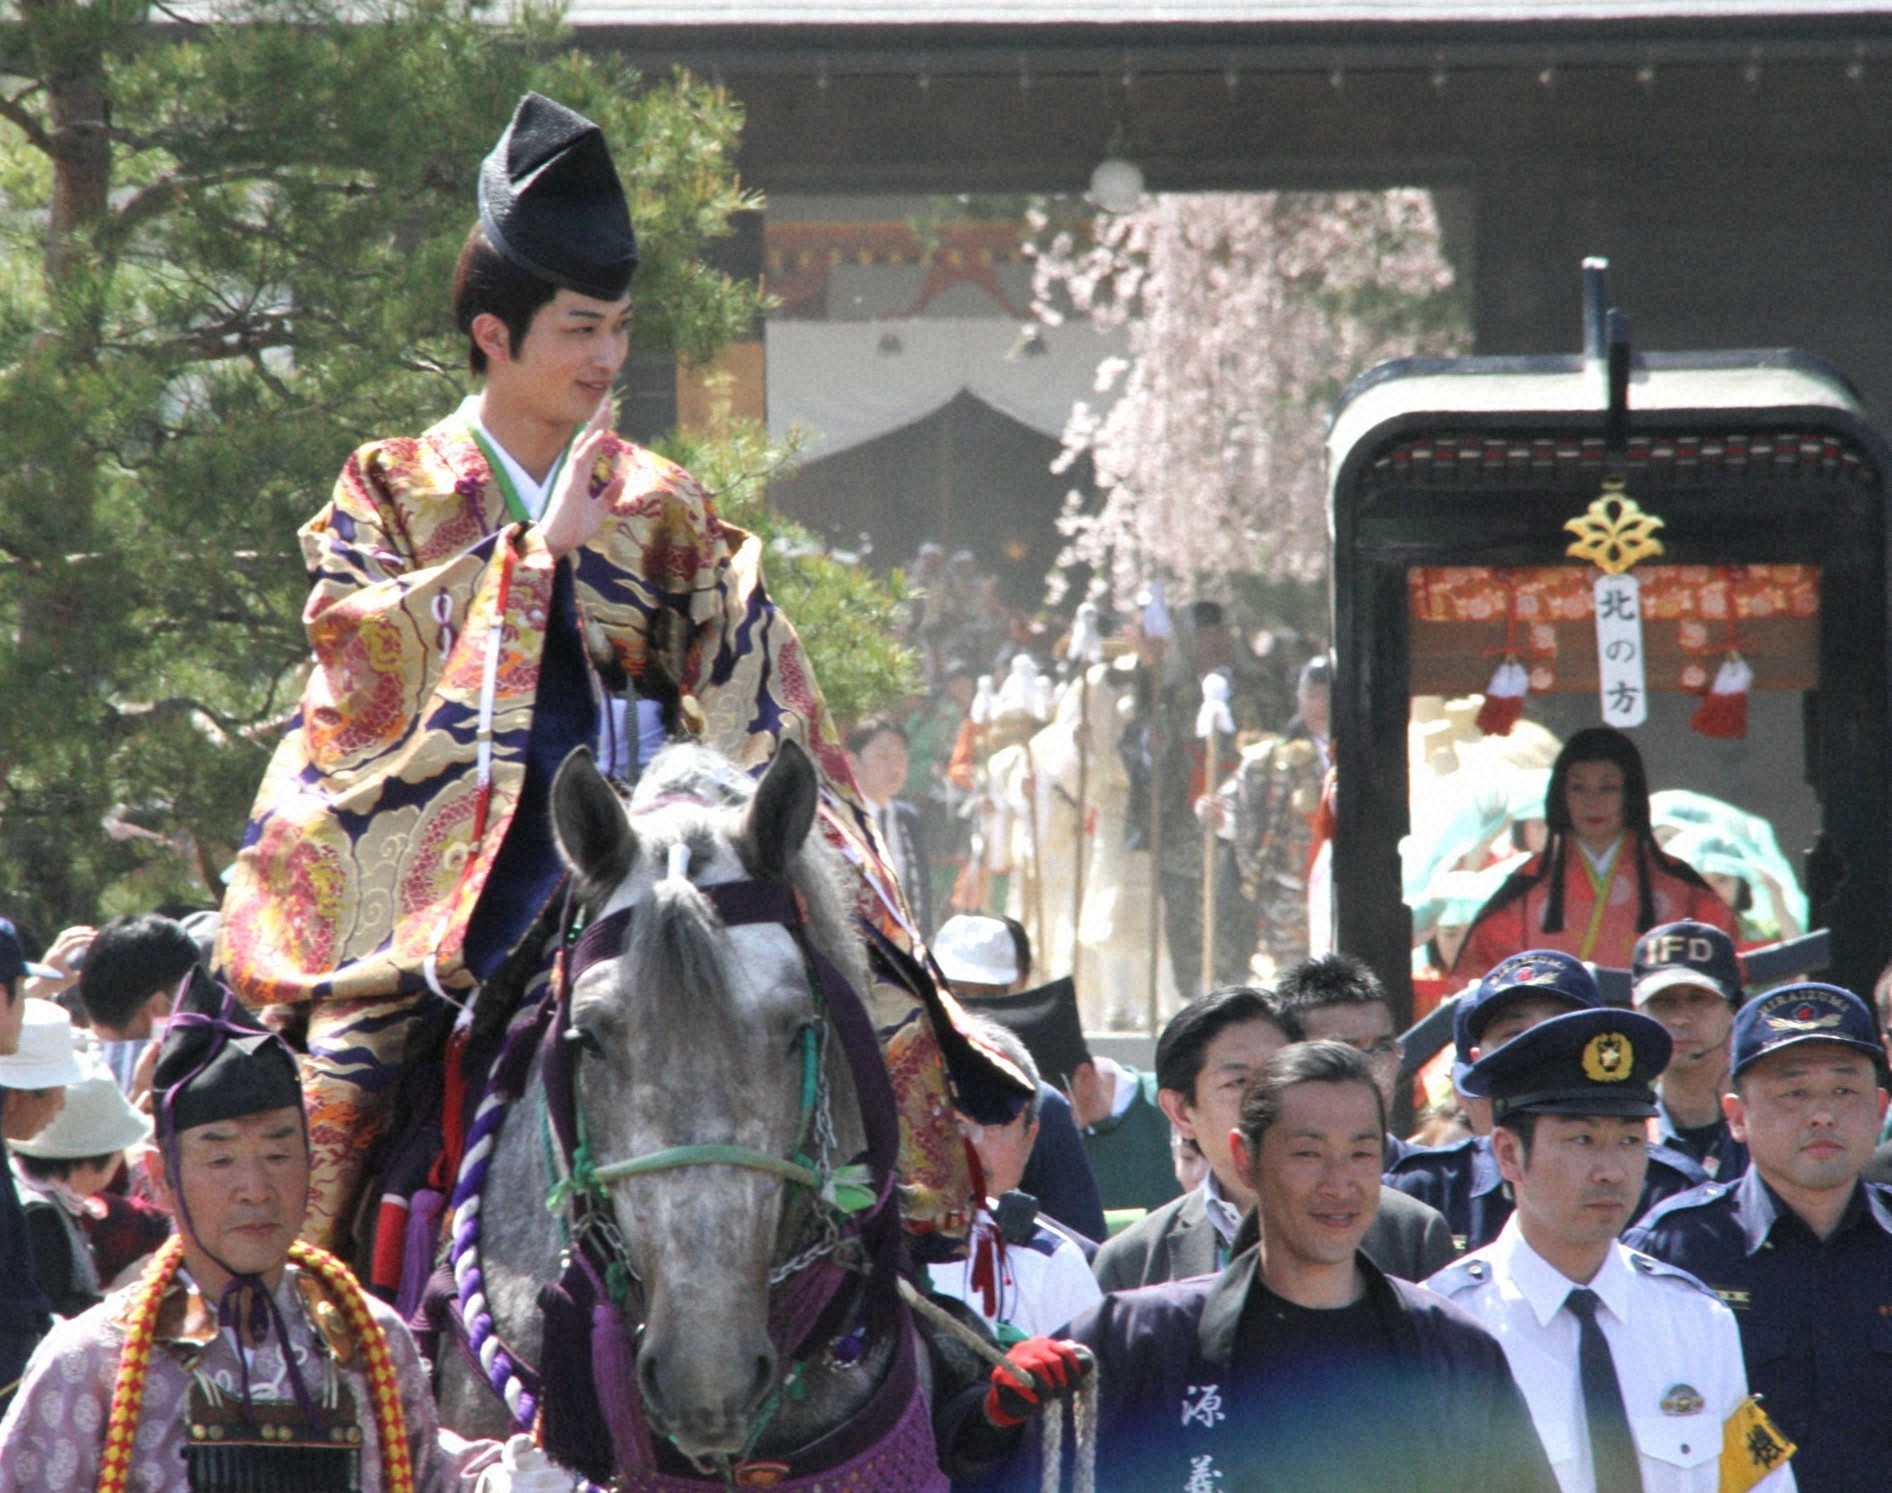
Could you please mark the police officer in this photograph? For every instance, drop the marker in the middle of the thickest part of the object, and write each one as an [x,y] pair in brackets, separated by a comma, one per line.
[1630,1366]
[1800,1247]
[1462,1180]
[1687,977]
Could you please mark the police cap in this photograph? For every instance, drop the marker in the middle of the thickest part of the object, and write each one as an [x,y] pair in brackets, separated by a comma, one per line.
[1533,975]
[1594,1062]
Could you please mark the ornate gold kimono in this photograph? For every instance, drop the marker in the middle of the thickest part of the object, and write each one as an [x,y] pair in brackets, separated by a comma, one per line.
[403,772]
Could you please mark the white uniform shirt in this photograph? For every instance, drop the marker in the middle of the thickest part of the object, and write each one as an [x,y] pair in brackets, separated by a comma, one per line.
[1677,1351]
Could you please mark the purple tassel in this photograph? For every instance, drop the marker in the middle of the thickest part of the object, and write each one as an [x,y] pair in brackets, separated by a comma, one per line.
[417,1263]
[614,1371]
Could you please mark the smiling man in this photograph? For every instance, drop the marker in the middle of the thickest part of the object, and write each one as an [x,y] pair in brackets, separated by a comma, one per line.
[514,583]
[1303,1365]
[1631,1368]
[1800,1247]
[1205,1059]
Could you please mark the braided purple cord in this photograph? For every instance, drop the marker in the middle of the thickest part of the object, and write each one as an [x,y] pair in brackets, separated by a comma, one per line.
[502,1373]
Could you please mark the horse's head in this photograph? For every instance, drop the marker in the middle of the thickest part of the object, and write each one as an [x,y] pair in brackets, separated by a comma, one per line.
[696,1035]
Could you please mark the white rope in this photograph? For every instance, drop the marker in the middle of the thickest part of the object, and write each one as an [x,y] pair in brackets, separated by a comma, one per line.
[1051,1418]
[489,694]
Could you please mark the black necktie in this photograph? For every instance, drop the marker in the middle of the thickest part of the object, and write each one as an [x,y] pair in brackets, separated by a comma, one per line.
[1612,1447]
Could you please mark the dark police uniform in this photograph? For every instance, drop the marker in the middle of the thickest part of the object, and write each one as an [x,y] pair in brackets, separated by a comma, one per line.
[1698,954]
[1713,1151]
[1461,1180]
[1815,1315]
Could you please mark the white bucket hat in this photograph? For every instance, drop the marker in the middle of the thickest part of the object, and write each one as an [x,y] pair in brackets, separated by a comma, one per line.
[976,949]
[97,1119]
[46,1057]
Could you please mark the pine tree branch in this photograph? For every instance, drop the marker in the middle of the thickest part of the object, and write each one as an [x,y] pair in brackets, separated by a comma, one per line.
[154,197]
[173,706]
[15,114]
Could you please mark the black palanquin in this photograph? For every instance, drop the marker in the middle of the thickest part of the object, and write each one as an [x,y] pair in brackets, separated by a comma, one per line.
[1749,458]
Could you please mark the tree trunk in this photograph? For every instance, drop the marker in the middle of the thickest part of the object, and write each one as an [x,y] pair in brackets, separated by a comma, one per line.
[78,129]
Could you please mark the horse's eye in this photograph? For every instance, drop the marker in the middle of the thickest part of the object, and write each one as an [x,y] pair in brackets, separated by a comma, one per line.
[585,1038]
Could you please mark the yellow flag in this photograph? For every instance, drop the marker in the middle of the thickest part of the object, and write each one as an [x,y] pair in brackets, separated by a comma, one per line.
[1751,1447]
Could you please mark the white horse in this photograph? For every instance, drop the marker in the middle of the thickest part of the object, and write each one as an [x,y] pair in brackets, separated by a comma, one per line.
[707,1107]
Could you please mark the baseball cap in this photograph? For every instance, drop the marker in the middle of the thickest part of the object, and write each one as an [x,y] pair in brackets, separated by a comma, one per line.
[1531,975]
[1685,953]
[1807,1012]
[13,960]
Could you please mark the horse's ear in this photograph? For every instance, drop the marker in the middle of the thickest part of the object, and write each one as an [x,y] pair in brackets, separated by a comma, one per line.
[594,835]
[783,809]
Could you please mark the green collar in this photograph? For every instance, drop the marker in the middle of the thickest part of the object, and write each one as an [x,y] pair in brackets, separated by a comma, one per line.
[515,505]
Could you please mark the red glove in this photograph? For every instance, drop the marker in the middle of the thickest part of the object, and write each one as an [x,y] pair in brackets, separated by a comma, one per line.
[1057,1365]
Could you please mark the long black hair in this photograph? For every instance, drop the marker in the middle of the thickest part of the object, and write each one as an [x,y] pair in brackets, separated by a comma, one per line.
[1594,744]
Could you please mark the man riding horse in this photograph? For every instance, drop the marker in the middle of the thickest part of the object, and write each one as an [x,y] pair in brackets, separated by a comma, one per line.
[486,597]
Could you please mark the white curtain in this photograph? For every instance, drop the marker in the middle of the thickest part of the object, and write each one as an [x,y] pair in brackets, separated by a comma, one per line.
[843,383]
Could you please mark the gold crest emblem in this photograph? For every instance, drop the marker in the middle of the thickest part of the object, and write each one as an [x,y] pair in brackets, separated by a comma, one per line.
[1613,533]
[1609,1058]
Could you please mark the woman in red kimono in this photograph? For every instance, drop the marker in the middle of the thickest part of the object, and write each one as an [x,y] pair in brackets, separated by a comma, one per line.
[1601,880]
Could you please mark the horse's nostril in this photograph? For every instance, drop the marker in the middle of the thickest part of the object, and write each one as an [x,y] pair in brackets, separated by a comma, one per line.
[647,1381]
[764,1374]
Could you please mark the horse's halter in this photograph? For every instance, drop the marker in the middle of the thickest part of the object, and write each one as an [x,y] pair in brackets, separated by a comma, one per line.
[841,1192]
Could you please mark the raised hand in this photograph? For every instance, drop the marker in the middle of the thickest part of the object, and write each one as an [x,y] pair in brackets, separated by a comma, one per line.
[64,958]
[574,512]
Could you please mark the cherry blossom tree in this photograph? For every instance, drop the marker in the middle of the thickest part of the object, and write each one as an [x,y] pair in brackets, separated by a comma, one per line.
[1246,315]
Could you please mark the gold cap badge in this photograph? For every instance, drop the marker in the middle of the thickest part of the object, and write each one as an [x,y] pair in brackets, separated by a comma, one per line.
[1608,1058]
